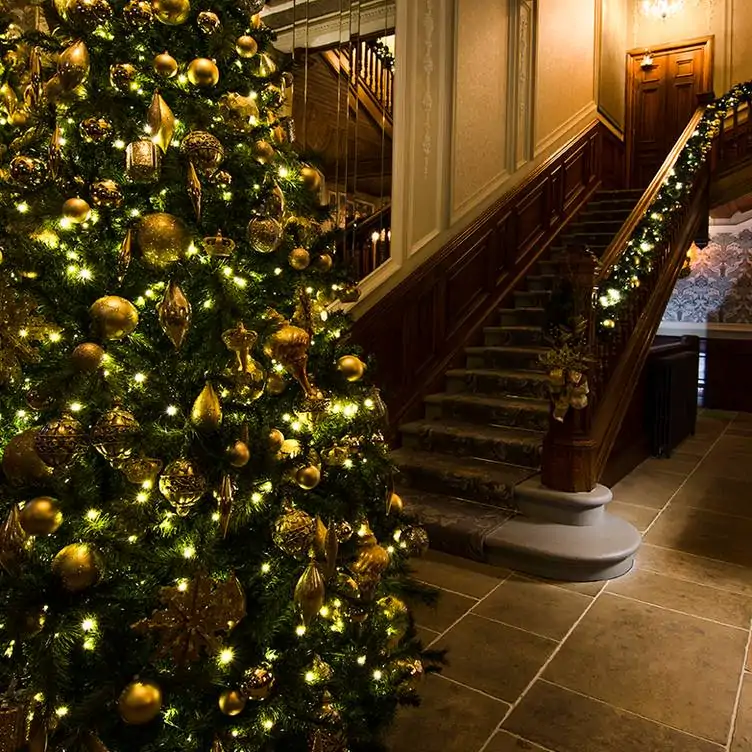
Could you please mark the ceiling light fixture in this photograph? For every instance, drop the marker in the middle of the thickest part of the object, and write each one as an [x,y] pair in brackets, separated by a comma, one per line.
[661,8]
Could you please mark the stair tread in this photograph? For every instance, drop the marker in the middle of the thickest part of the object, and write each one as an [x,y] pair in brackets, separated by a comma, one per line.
[527,349]
[466,467]
[513,328]
[462,428]
[538,309]
[507,373]
[520,403]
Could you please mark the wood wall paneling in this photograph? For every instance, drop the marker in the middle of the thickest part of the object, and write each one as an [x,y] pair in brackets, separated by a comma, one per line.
[728,367]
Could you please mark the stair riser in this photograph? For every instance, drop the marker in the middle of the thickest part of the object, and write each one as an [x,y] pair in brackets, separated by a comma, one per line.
[522,317]
[531,420]
[607,214]
[514,338]
[492,385]
[527,455]
[541,283]
[532,299]
[491,359]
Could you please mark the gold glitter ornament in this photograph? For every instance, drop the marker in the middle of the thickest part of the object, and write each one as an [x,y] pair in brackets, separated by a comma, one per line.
[78,566]
[372,559]
[115,434]
[163,239]
[415,539]
[60,440]
[175,314]
[138,13]
[203,72]
[95,130]
[299,259]
[88,14]
[41,516]
[289,345]
[171,12]
[310,592]
[206,413]
[410,672]
[165,65]
[107,194]
[204,150]
[161,122]
[21,464]
[265,234]
[294,532]
[231,702]
[140,703]
[257,683]
[143,161]
[182,485]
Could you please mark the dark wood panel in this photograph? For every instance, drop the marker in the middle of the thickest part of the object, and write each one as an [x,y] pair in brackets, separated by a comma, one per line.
[728,374]
[420,328]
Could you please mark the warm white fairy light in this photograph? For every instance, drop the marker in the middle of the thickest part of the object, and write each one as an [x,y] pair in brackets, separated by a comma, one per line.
[93,515]
[266,567]
[361,660]
[75,407]
[377,675]
[189,552]
[226,656]
[89,624]
[22,207]
[300,630]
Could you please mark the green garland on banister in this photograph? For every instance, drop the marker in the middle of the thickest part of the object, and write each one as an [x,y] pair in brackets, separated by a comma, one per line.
[656,226]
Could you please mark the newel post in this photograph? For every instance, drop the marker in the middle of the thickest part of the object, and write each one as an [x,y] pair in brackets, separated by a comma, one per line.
[569,461]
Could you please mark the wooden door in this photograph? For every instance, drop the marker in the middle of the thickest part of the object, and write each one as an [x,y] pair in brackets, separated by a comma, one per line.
[661,99]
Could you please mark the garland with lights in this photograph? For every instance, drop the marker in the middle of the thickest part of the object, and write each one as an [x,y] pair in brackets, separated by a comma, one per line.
[383,53]
[200,544]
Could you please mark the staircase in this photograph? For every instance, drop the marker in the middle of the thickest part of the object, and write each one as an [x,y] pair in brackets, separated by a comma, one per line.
[465,468]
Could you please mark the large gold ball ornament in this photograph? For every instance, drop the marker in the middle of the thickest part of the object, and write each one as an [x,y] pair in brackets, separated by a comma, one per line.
[140,702]
[171,12]
[95,130]
[324,262]
[203,72]
[265,234]
[107,194]
[165,65]
[275,384]
[122,75]
[238,454]
[246,46]
[231,702]
[182,485]
[312,178]
[351,367]
[308,477]
[257,683]
[275,440]
[138,13]
[294,532]
[28,172]
[208,22]
[239,112]
[87,357]
[21,463]
[114,435]
[60,440]
[299,259]
[41,516]
[76,210]
[77,565]
[163,239]
[204,150]
[114,317]
[88,14]
[263,152]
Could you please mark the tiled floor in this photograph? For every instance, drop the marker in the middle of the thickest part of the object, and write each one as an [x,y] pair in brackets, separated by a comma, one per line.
[652,662]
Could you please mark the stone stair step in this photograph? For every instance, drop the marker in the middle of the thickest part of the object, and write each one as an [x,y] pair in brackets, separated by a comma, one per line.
[605,226]
[499,336]
[518,358]
[536,282]
[601,239]
[529,414]
[506,382]
[523,316]
[463,477]
[531,298]
[607,212]
[499,444]
[635,194]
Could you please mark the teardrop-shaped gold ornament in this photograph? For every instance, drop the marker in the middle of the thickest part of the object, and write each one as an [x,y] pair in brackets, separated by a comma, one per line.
[125,255]
[310,592]
[193,186]
[175,312]
[73,66]
[35,89]
[161,122]
[9,99]
[206,413]
[12,541]
[55,151]
[225,497]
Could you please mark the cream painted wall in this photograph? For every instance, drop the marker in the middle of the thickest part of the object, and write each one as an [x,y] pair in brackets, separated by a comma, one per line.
[614,26]
[566,75]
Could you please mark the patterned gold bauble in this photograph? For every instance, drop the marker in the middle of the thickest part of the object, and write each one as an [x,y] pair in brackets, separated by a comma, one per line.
[78,566]
[21,463]
[60,440]
[76,210]
[171,12]
[263,152]
[204,150]
[294,532]
[299,259]
[351,367]
[182,485]
[310,592]
[107,194]
[143,161]
[88,14]
[416,540]
[175,314]
[27,172]
[208,21]
[115,434]
[324,263]
[165,65]
[95,130]
[264,234]
[312,178]
[240,113]
[275,440]
[246,46]
[231,702]
[308,477]
[138,13]
[41,516]
[141,470]
[114,317]
[122,75]
[206,413]
[275,383]
[203,72]
[163,239]
[140,702]
[238,454]
[257,683]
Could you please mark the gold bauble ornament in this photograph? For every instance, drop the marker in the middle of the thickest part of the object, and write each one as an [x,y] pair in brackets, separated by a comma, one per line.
[95,130]
[240,113]
[264,234]
[208,21]
[206,413]
[275,384]
[308,477]
[204,150]
[231,702]
[114,317]
[140,702]
[415,539]
[88,14]
[275,440]
[163,239]
[289,345]
[312,178]
[171,12]
[60,440]
[395,504]
[41,516]
[73,66]
[263,152]
[138,13]
[115,434]
[143,161]
[122,75]
[257,683]
[238,454]
[165,65]
[299,259]
[76,210]
[246,46]
[351,367]
[310,592]
[182,485]
[106,193]
[21,463]
[28,172]
[77,565]
[203,72]
[346,586]
[324,263]
[294,532]
[140,470]
[174,312]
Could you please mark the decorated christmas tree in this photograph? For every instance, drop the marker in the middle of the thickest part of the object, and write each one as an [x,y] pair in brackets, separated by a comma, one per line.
[200,545]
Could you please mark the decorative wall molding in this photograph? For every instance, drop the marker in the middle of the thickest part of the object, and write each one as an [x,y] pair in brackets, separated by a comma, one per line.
[521,82]
[427,98]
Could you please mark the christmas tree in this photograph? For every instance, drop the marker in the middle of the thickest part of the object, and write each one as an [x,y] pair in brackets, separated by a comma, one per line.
[200,545]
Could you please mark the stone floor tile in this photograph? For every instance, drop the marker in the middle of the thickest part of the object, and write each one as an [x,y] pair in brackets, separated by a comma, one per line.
[534,606]
[725,495]
[584,588]
[668,667]
[441,615]
[647,488]
[742,740]
[696,531]
[640,517]
[684,566]
[492,657]
[680,463]
[568,722]
[697,446]
[503,741]
[687,597]
[460,575]
[427,636]
[450,718]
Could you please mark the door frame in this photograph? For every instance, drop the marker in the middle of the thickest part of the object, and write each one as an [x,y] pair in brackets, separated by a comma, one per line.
[708,42]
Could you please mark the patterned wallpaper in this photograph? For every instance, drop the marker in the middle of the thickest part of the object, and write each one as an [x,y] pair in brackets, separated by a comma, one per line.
[719,288]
